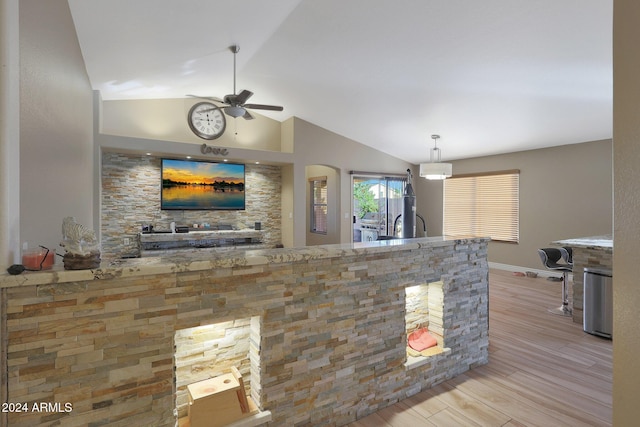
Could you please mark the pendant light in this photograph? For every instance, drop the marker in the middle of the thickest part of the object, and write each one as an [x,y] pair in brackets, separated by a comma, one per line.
[435,169]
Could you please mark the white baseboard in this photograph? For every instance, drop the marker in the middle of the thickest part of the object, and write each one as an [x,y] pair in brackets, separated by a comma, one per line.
[515,268]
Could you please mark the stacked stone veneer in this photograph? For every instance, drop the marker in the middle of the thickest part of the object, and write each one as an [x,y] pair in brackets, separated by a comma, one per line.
[331,322]
[417,307]
[587,257]
[131,198]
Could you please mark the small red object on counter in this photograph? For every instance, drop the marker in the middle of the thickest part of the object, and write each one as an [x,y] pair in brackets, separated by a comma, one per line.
[33,258]
[421,340]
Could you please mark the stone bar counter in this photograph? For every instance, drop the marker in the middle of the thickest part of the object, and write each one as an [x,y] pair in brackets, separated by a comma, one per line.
[588,252]
[327,337]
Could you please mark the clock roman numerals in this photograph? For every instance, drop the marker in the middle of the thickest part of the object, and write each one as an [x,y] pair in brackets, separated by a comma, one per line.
[206,120]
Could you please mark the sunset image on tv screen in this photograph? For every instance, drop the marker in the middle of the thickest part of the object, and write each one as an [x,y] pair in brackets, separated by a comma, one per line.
[190,184]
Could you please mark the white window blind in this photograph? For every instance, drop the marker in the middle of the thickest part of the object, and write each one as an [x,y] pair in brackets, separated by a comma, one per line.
[483,205]
[318,204]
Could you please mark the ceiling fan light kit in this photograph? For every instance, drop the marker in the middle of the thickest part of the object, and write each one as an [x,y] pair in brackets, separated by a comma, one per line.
[436,169]
[235,111]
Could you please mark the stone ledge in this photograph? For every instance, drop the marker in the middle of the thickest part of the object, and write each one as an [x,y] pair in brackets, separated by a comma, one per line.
[251,421]
[208,260]
[414,362]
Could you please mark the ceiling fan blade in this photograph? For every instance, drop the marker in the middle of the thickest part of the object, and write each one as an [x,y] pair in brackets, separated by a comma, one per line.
[247,115]
[210,98]
[264,107]
[242,97]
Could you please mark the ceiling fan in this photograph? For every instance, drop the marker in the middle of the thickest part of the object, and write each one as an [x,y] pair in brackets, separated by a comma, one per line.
[235,104]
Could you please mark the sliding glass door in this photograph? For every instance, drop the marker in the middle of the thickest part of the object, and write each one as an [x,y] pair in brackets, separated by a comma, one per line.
[376,204]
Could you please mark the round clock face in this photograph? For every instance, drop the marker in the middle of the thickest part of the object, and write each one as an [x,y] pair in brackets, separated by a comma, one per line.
[206,120]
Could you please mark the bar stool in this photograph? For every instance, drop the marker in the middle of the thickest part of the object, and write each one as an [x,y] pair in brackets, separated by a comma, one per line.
[550,258]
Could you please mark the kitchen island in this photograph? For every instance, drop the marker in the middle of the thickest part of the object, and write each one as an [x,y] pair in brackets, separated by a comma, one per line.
[324,330]
[588,252]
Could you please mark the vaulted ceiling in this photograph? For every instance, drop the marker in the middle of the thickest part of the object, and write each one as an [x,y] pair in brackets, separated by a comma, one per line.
[489,76]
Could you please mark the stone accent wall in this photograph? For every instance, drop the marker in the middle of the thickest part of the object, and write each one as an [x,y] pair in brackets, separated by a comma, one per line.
[131,197]
[586,258]
[332,338]
[436,310]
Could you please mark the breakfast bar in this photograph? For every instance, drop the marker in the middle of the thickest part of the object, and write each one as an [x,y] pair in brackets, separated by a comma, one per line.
[319,333]
[588,252]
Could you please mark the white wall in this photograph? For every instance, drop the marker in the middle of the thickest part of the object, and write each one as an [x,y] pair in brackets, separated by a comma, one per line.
[9,132]
[626,268]
[56,124]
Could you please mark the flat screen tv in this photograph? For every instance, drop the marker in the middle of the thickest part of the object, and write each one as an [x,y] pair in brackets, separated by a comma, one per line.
[202,185]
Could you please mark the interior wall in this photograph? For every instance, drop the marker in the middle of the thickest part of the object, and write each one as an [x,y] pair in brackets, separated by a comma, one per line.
[9,133]
[166,119]
[626,269]
[333,205]
[299,144]
[565,192]
[56,124]
[287,208]
[315,145]
[429,196]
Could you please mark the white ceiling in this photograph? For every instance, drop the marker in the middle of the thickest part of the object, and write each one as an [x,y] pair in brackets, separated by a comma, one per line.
[490,76]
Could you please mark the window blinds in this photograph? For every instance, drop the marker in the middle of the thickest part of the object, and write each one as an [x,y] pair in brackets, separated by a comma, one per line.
[483,205]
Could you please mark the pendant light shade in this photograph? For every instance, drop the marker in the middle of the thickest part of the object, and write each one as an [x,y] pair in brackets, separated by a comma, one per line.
[435,169]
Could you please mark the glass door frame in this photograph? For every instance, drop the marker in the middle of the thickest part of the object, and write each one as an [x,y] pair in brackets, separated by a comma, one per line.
[386,224]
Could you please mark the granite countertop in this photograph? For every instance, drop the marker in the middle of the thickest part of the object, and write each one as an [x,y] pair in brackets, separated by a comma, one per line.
[593,242]
[224,259]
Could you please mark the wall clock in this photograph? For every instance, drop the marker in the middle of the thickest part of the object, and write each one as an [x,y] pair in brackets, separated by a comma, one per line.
[206,120]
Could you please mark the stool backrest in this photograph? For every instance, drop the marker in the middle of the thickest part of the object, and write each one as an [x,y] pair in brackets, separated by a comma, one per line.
[549,256]
[567,254]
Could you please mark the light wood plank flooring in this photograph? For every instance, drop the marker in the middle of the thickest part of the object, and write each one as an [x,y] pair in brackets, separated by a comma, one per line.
[543,370]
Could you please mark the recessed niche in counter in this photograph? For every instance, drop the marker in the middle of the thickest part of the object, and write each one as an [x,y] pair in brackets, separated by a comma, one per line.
[208,351]
[424,310]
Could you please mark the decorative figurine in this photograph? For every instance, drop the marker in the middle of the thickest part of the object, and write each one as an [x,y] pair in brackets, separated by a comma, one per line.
[81,245]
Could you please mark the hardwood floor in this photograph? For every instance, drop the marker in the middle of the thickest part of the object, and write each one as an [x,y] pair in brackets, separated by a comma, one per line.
[543,370]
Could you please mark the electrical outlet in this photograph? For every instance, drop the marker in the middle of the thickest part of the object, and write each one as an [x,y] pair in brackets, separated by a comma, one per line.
[127,241]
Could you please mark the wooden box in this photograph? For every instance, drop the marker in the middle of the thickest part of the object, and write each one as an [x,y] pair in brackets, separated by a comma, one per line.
[215,402]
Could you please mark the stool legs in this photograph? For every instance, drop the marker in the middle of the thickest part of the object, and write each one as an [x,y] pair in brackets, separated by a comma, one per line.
[564,309]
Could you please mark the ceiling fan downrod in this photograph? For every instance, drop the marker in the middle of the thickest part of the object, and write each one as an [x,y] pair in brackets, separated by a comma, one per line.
[235,49]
